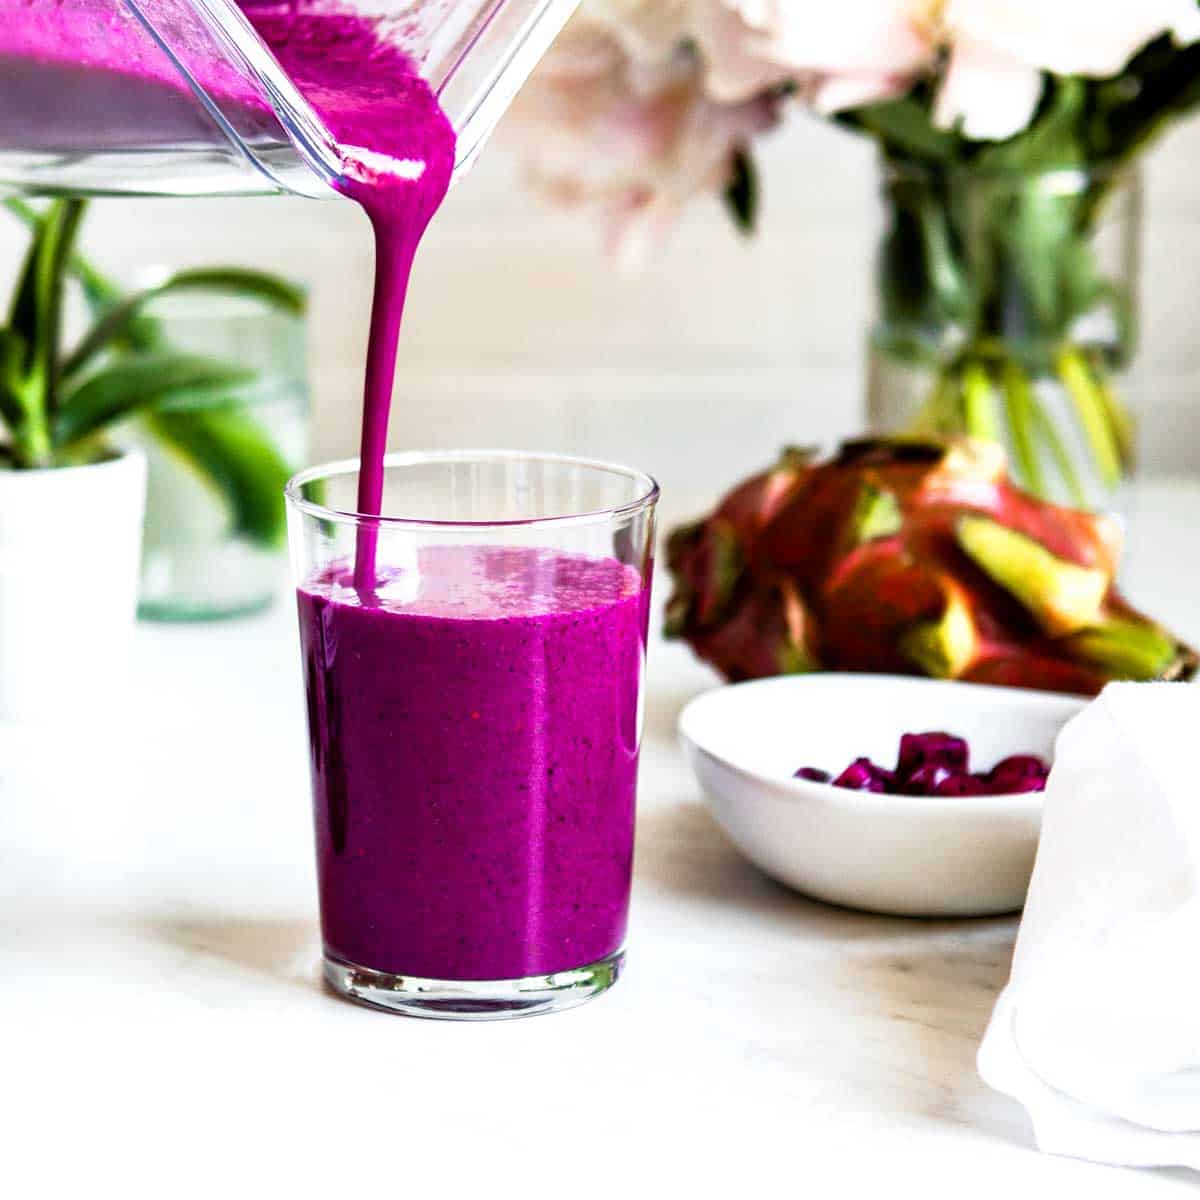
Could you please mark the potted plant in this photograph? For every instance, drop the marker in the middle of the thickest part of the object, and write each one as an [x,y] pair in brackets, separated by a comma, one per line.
[214,535]
[71,498]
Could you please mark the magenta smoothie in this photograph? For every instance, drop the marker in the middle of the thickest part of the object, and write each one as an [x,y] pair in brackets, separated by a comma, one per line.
[474,738]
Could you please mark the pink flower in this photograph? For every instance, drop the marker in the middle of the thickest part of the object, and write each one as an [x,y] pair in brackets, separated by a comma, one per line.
[638,139]
[841,55]
[647,30]
[999,49]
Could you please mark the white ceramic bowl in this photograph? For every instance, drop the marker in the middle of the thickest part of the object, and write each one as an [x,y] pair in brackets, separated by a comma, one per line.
[909,855]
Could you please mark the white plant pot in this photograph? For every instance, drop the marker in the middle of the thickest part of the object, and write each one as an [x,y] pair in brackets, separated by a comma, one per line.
[70,541]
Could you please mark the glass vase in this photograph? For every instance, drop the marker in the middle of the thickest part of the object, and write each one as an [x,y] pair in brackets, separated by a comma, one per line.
[1007,310]
[215,537]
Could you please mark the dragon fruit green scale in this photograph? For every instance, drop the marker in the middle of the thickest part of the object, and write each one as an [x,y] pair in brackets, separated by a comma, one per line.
[910,555]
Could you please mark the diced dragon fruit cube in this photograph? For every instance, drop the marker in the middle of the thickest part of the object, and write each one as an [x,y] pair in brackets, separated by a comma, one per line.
[963,784]
[1019,773]
[862,775]
[925,780]
[813,775]
[934,749]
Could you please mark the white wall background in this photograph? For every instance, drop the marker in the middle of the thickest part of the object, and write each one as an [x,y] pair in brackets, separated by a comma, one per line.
[520,334]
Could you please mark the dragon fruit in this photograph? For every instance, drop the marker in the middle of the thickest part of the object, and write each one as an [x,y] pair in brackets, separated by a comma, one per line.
[813,775]
[934,750]
[1018,773]
[937,764]
[862,775]
[913,556]
[964,784]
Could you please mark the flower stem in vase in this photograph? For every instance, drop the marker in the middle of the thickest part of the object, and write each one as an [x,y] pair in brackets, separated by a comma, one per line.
[1093,409]
[978,403]
[1003,313]
[1020,412]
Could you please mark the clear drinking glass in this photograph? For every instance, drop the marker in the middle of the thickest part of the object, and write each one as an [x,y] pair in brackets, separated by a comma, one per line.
[213,545]
[475,713]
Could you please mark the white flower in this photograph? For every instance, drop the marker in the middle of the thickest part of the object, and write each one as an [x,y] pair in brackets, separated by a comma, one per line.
[999,49]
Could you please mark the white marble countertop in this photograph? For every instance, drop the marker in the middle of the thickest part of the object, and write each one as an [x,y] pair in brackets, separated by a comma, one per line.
[162,1026]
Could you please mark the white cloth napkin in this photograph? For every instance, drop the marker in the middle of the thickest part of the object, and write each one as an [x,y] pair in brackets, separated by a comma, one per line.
[1098,1032]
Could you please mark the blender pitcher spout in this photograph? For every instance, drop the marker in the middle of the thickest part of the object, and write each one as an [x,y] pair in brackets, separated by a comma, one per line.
[183,97]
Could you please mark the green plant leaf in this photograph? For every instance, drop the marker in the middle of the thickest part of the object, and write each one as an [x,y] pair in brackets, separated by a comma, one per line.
[36,318]
[741,191]
[122,318]
[236,458]
[1160,83]
[97,289]
[14,353]
[143,381]
[1054,138]
[905,129]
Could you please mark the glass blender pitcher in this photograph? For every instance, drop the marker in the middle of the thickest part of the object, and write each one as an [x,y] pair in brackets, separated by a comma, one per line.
[182,97]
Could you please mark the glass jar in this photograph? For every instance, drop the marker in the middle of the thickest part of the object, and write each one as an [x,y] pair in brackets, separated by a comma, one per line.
[214,541]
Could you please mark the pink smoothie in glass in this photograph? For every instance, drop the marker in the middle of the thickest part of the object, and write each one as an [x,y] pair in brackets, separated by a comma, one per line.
[474,736]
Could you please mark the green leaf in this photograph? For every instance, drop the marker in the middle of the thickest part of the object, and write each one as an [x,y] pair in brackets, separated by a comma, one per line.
[1055,137]
[236,458]
[905,129]
[1160,83]
[97,289]
[742,193]
[36,313]
[14,352]
[143,381]
[122,318]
